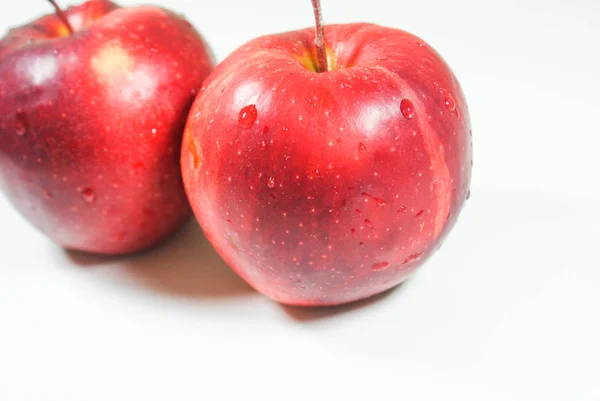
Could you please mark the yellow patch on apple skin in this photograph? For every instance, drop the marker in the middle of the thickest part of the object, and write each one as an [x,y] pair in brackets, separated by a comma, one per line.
[62,31]
[331,59]
[309,60]
[112,61]
[195,156]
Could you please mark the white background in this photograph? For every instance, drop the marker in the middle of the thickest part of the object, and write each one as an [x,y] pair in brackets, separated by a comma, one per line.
[507,310]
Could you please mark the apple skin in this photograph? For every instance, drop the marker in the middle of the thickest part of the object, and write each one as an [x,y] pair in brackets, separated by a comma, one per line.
[91,123]
[332,194]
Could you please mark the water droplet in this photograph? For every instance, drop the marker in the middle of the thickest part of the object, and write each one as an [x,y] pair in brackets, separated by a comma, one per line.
[382,58]
[271,183]
[412,258]
[421,212]
[88,195]
[368,224]
[247,116]
[353,231]
[362,148]
[194,91]
[468,194]
[357,211]
[55,52]
[402,209]
[48,195]
[407,108]
[380,202]
[450,104]
[380,266]
[21,124]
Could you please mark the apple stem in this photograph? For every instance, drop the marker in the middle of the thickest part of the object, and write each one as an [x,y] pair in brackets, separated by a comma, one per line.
[62,16]
[320,38]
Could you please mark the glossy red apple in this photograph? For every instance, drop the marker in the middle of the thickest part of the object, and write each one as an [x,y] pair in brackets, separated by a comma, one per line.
[322,185]
[91,123]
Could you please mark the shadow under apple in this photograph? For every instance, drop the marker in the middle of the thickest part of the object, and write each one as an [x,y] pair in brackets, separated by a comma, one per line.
[304,314]
[186,265]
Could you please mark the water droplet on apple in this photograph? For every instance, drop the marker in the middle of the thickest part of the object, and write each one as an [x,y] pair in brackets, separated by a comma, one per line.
[362,148]
[412,258]
[469,194]
[353,231]
[450,104]
[407,108]
[357,211]
[380,202]
[271,182]
[247,116]
[380,266]
[21,124]
[369,224]
[421,212]
[48,194]
[55,52]
[402,209]
[88,195]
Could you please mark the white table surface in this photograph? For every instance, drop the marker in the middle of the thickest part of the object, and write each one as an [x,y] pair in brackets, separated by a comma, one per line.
[508,309]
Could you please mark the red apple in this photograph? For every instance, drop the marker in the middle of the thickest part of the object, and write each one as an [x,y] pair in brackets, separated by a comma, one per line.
[325,184]
[91,123]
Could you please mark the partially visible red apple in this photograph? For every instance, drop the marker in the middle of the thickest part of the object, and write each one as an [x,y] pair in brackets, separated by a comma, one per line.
[326,173]
[91,123]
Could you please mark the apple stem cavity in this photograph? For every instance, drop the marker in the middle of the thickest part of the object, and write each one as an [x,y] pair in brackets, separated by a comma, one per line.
[320,38]
[62,16]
